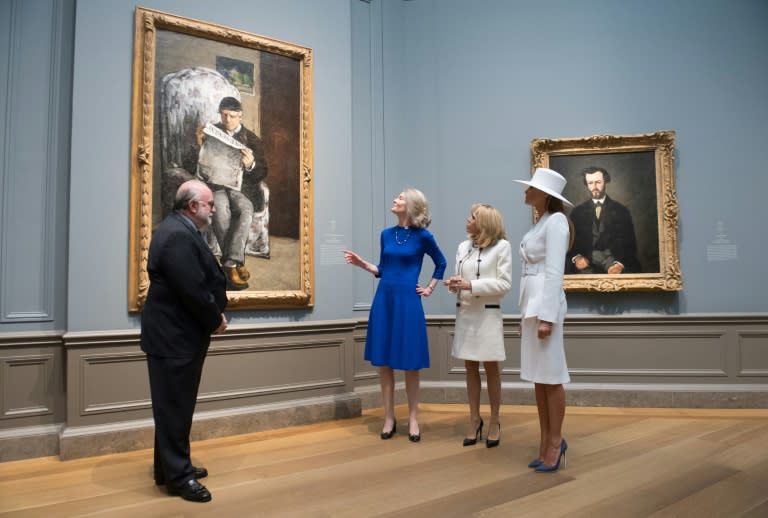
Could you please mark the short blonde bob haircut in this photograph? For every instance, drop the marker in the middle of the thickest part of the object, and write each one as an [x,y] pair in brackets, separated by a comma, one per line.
[417,208]
[488,224]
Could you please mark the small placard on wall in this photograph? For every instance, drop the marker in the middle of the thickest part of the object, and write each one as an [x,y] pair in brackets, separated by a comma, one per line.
[721,248]
[332,248]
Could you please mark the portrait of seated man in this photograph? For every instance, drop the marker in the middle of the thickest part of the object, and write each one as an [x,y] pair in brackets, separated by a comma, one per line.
[231,162]
[605,234]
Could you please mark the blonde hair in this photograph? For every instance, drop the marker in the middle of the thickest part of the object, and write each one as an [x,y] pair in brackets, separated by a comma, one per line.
[417,208]
[489,225]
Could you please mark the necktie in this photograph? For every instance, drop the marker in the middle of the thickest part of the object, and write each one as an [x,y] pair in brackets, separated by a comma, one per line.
[598,209]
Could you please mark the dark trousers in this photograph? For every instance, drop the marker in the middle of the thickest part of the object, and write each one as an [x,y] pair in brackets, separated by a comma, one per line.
[173,383]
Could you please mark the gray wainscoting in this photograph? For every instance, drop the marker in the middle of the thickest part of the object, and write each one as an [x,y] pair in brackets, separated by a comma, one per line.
[81,394]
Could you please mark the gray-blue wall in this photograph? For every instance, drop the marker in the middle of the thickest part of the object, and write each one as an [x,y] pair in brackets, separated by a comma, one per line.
[100,143]
[35,96]
[445,95]
[468,85]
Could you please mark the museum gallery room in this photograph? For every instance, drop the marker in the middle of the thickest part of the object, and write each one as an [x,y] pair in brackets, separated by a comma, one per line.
[383,258]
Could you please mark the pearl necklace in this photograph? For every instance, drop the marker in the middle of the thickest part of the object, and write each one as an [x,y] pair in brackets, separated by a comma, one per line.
[404,241]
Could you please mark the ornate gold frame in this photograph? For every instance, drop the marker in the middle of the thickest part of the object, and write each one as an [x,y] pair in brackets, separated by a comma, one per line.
[662,144]
[147,23]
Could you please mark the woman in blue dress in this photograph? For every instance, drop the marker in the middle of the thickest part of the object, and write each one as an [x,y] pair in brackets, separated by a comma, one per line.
[397,331]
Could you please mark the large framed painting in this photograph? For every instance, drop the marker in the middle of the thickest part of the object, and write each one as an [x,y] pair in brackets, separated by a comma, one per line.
[625,214]
[232,109]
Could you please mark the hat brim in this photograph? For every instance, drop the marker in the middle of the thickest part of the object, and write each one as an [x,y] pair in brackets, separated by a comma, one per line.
[544,189]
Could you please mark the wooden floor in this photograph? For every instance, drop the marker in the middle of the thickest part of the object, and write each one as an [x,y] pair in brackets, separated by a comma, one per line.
[621,463]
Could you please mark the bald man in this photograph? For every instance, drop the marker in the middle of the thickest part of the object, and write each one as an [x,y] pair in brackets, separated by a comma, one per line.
[185,306]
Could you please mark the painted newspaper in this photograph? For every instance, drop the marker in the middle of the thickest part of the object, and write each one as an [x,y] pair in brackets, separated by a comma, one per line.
[220,160]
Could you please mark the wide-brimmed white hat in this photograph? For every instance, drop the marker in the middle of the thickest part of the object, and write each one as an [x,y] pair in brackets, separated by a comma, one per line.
[548,181]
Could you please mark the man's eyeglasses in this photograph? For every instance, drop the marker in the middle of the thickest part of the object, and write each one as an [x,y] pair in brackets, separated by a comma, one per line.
[210,203]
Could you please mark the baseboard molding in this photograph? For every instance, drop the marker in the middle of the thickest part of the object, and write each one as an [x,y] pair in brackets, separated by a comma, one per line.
[593,395]
[87,441]
[616,395]
[29,442]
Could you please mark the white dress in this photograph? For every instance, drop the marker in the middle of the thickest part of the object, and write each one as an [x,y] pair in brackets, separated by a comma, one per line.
[479,331]
[542,254]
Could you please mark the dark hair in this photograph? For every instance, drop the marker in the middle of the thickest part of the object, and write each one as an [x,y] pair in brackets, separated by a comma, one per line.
[556,205]
[593,170]
[230,103]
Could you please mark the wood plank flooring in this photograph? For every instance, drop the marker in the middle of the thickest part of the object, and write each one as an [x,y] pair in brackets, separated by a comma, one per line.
[621,463]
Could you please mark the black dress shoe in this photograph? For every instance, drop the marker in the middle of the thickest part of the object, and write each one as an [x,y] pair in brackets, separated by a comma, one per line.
[413,437]
[389,434]
[191,490]
[196,472]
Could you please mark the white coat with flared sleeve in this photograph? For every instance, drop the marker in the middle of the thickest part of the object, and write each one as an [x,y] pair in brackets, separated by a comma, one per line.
[479,331]
[542,252]
[542,255]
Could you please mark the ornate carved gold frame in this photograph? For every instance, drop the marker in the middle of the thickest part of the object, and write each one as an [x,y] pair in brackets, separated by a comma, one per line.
[147,23]
[662,144]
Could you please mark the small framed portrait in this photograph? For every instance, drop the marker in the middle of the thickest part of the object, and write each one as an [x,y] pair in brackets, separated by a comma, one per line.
[625,213]
[234,110]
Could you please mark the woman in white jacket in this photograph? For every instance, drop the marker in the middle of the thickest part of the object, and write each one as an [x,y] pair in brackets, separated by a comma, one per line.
[483,277]
[542,309]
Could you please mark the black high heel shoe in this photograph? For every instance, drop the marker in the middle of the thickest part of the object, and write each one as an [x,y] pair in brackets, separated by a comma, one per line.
[478,435]
[389,434]
[492,443]
[414,437]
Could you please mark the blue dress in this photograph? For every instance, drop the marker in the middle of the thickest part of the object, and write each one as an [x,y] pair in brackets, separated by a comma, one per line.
[397,329]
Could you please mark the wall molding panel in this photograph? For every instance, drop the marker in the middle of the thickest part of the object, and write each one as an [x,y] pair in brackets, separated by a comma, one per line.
[28,377]
[261,377]
[34,169]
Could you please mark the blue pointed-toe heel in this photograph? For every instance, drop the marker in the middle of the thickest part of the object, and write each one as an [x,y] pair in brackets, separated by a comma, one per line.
[545,468]
[535,463]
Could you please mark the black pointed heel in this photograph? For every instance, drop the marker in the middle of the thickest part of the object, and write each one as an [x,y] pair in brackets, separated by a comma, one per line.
[389,434]
[492,443]
[478,436]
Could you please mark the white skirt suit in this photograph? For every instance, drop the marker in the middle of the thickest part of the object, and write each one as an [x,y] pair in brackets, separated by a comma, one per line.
[479,331]
[542,254]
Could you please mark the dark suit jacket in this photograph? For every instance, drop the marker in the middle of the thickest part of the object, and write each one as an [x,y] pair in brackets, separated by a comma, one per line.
[617,234]
[187,292]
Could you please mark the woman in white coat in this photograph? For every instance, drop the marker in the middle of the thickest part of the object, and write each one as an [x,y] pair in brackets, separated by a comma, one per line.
[542,309]
[483,277]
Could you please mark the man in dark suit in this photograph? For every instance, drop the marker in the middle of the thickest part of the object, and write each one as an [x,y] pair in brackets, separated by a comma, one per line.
[184,307]
[605,235]
[235,207]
